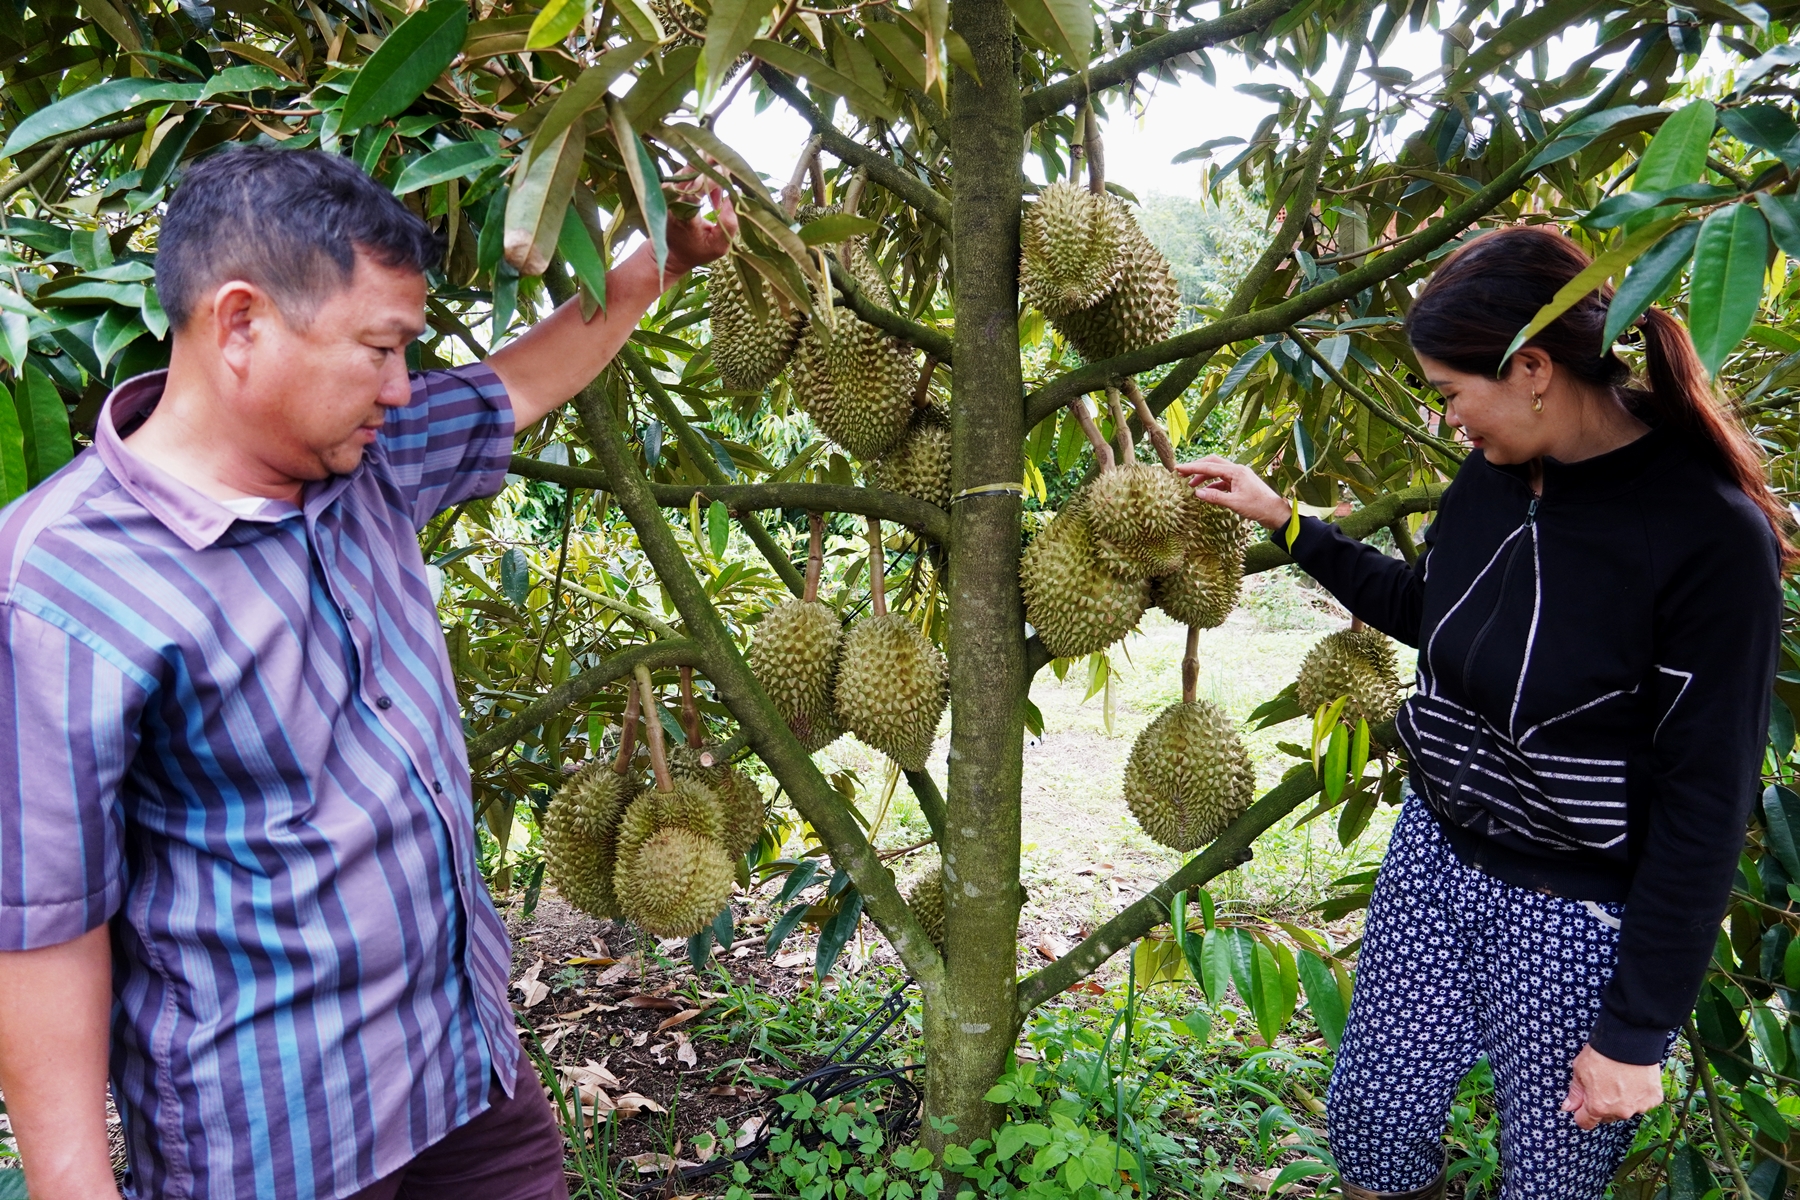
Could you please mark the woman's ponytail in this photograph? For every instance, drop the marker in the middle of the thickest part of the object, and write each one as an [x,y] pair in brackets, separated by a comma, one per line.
[1681,400]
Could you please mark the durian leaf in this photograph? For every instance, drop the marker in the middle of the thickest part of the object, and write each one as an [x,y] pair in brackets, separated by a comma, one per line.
[660,88]
[1281,707]
[1034,719]
[836,933]
[641,19]
[1215,964]
[1242,949]
[821,75]
[585,94]
[44,421]
[718,529]
[1359,750]
[1154,961]
[538,199]
[1677,154]
[1599,271]
[1335,775]
[1354,818]
[1322,997]
[578,250]
[1066,26]
[699,949]
[646,184]
[556,21]
[1781,818]
[1727,281]
[730,29]
[408,61]
[13,478]
[836,227]
[1265,997]
[778,932]
[722,928]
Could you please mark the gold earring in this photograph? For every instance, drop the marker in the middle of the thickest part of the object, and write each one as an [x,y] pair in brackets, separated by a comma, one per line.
[1537,402]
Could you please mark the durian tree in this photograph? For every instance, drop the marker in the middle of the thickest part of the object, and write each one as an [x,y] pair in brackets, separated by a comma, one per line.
[954,331]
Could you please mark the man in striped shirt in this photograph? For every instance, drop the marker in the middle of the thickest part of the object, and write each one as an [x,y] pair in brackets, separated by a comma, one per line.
[236,839]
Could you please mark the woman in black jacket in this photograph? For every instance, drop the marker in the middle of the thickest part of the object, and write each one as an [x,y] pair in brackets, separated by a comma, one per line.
[1597,616]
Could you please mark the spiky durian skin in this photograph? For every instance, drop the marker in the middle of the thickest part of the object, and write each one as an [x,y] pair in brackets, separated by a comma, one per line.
[596,797]
[1205,587]
[1140,310]
[749,348]
[579,867]
[927,902]
[1069,249]
[1188,776]
[892,687]
[741,805]
[1138,515]
[854,380]
[689,804]
[919,463]
[1076,605]
[794,655]
[675,883]
[1358,663]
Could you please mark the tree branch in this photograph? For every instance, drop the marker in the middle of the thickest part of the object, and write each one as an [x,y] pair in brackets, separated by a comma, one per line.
[933,521]
[931,341]
[670,652]
[881,169]
[62,146]
[1448,450]
[931,801]
[1052,396]
[1377,514]
[1129,65]
[699,451]
[717,654]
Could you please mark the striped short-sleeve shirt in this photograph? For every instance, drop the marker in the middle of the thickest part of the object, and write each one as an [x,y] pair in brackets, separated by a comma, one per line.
[235,737]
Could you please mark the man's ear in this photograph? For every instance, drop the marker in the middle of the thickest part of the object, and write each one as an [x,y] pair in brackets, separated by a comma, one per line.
[239,312]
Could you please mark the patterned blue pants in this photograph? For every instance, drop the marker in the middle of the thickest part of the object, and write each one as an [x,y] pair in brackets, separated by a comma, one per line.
[1456,964]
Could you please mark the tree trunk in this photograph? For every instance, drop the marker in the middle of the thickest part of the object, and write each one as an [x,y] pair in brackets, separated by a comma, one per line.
[972,1021]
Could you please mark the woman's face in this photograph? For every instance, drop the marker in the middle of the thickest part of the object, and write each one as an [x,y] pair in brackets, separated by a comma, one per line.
[1496,415]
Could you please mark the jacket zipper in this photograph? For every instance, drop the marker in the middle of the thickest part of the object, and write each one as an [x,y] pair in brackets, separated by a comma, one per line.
[1480,738]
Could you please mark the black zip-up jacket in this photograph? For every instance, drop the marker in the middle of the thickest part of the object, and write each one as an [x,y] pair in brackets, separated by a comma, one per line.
[1593,693]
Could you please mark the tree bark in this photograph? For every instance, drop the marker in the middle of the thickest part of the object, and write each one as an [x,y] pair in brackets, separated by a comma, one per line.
[972,1021]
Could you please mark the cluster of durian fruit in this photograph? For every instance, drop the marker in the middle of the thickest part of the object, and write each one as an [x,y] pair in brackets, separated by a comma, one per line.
[882,679]
[864,388]
[1134,536]
[662,853]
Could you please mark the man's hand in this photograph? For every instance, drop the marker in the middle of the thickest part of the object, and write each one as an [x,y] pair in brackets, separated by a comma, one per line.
[1602,1091]
[697,241]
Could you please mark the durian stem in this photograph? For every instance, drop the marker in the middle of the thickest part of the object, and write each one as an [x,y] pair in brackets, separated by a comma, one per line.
[809,157]
[1159,437]
[1121,427]
[877,570]
[817,174]
[815,556]
[922,393]
[1096,152]
[659,752]
[690,712]
[628,731]
[853,191]
[1190,667]
[1103,454]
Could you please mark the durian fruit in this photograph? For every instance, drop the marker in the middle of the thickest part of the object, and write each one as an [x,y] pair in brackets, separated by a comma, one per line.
[1076,605]
[581,827]
[684,804]
[1205,588]
[1070,242]
[741,805]
[927,901]
[1138,514]
[919,464]
[892,683]
[1358,663]
[753,330]
[854,380]
[794,655]
[1189,776]
[1140,310]
[675,883]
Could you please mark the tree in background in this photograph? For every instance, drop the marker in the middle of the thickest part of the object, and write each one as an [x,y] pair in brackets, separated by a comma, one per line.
[536,139]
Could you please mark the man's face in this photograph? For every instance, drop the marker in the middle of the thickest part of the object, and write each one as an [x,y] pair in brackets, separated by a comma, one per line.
[317,391]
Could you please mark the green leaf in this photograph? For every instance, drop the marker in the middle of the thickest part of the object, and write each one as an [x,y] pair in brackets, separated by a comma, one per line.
[1066,26]
[718,529]
[91,105]
[234,80]
[45,423]
[12,1185]
[538,200]
[699,948]
[836,933]
[1783,215]
[168,152]
[1677,154]
[1766,1116]
[646,184]
[1335,775]
[408,61]
[821,75]
[586,93]
[1580,134]
[1727,283]
[778,932]
[1322,997]
[832,228]
[515,577]
[1359,749]
[1723,1034]
[556,21]
[641,19]
[1265,999]
[1767,128]
[1781,819]
[1595,274]
[1215,964]
[1649,279]
[452,162]
[660,88]
[13,477]
[577,248]
[733,25]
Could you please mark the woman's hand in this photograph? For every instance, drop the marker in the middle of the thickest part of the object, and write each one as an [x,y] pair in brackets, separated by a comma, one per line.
[1220,481]
[1602,1091]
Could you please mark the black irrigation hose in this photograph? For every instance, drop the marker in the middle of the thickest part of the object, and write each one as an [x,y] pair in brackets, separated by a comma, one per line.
[830,1081]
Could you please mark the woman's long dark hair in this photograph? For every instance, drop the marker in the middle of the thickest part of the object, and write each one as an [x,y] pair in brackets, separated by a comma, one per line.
[1486,292]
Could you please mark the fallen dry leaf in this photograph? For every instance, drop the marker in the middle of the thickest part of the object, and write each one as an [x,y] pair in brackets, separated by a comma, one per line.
[733,1091]
[593,1073]
[590,961]
[1089,986]
[617,971]
[684,1053]
[529,986]
[638,1103]
[680,1018]
[1051,947]
[644,1000]
[795,959]
[650,1161]
[748,1130]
